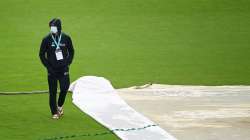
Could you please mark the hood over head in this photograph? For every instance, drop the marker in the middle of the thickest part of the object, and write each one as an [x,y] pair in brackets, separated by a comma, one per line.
[56,22]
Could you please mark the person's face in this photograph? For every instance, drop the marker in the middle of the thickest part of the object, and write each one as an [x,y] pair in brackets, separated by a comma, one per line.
[53,29]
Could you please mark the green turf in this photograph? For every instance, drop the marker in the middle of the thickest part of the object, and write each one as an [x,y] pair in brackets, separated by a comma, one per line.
[130,42]
[26,117]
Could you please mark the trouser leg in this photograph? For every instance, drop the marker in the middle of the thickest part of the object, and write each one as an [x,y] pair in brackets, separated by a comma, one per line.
[52,94]
[64,86]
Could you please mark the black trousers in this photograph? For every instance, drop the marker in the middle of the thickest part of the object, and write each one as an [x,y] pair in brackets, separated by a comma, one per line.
[64,86]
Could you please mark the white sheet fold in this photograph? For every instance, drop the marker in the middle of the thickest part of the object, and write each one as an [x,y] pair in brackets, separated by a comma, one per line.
[96,97]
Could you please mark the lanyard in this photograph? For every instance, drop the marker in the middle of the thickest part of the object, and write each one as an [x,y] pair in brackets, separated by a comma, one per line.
[57,43]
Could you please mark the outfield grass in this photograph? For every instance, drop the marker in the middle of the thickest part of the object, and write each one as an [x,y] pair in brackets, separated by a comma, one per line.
[26,117]
[194,42]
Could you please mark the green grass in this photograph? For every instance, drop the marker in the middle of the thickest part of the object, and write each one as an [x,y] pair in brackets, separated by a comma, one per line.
[26,117]
[191,42]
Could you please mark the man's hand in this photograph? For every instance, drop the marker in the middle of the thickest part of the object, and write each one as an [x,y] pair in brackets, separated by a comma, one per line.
[50,70]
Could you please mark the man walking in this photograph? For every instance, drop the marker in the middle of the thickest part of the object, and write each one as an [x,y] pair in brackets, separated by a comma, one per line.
[56,54]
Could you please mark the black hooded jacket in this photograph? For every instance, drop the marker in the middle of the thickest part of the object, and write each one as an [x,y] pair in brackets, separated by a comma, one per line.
[48,47]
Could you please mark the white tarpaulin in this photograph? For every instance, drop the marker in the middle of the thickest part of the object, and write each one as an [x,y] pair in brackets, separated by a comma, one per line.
[194,112]
[96,97]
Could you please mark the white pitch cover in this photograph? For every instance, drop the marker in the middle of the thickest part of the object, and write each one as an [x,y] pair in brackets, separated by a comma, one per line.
[96,97]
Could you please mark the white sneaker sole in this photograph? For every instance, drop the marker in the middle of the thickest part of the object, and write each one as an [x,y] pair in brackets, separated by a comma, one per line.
[55,117]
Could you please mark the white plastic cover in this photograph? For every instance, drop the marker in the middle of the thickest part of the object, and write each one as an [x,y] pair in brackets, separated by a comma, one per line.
[96,97]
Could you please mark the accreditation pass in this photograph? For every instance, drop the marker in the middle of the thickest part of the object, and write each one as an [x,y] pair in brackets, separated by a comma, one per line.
[59,55]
